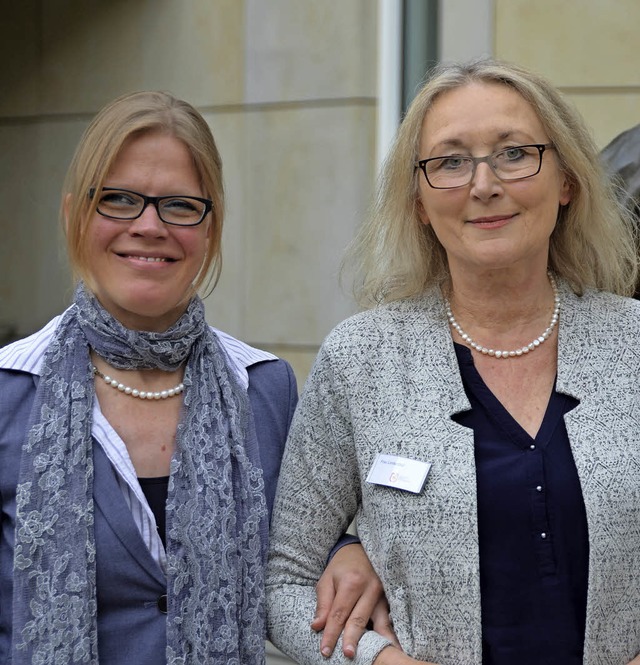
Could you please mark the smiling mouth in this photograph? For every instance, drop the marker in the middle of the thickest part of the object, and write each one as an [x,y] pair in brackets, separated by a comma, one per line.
[491,220]
[148,259]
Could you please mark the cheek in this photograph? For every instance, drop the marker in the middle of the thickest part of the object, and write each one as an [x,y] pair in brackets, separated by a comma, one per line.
[439,207]
[96,243]
[195,246]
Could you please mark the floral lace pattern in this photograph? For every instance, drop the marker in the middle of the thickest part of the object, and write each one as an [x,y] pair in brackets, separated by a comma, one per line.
[216,510]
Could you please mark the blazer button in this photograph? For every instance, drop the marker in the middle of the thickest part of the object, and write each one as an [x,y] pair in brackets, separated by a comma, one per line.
[162,603]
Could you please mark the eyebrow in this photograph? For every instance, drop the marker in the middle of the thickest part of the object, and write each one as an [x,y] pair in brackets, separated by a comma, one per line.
[458,143]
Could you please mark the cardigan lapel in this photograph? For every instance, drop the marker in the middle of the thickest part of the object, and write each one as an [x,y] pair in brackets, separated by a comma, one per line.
[434,345]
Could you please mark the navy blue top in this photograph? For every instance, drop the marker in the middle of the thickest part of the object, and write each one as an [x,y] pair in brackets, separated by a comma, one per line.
[156,491]
[532,531]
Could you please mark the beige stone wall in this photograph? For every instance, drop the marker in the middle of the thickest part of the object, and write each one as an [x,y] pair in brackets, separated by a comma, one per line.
[289,91]
[288,88]
[589,48]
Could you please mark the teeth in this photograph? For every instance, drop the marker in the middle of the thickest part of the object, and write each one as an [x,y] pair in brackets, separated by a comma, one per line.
[151,259]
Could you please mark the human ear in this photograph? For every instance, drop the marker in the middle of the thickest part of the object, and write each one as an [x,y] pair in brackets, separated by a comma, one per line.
[66,208]
[422,213]
[566,192]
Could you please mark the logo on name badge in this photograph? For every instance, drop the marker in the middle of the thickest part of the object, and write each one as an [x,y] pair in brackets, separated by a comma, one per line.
[399,472]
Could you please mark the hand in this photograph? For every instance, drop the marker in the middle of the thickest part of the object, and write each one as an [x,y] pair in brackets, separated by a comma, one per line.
[392,656]
[635,661]
[349,594]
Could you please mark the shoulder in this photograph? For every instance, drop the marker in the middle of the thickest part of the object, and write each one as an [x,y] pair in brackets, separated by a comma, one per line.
[26,354]
[268,378]
[240,352]
[275,376]
[241,356]
[17,392]
[396,325]
[601,312]
[598,349]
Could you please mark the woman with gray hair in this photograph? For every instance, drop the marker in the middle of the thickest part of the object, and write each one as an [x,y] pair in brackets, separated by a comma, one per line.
[481,420]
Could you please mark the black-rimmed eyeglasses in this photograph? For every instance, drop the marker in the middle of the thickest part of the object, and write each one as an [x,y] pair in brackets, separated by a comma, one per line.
[125,205]
[514,163]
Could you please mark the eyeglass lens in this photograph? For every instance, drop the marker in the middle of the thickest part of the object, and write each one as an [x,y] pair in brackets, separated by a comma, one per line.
[509,164]
[181,210]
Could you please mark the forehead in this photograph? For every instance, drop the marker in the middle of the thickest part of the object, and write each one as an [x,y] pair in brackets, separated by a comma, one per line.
[145,144]
[480,114]
[154,157]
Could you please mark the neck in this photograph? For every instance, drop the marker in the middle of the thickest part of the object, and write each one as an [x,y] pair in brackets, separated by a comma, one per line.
[498,301]
[502,326]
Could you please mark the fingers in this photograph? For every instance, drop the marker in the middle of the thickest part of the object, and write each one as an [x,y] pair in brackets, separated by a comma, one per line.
[352,607]
[381,622]
[325,593]
[392,656]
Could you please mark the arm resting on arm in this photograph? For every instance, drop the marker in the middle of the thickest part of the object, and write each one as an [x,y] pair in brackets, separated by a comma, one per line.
[349,597]
[318,496]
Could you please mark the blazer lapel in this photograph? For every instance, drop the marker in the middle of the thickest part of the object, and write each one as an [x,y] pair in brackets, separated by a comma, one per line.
[110,502]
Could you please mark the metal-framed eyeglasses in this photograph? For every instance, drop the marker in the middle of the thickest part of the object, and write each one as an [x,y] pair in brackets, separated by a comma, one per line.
[514,163]
[126,205]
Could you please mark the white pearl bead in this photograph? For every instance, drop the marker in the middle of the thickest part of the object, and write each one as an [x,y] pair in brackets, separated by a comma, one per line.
[133,392]
[518,352]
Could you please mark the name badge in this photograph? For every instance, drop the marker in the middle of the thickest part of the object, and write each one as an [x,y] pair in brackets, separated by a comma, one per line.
[399,472]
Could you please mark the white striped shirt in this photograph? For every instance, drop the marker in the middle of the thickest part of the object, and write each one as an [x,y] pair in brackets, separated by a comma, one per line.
[26,355]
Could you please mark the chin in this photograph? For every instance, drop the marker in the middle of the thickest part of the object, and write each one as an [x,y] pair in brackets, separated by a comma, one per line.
[146,317]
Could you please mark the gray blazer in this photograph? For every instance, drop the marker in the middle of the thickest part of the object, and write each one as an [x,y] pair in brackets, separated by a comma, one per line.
[130,584]
[387,381]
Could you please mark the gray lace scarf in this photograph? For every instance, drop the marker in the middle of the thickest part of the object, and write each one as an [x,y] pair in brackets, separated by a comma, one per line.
[216,510]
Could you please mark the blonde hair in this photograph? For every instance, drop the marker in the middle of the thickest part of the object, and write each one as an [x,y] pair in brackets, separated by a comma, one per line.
[395,256]
[132,115]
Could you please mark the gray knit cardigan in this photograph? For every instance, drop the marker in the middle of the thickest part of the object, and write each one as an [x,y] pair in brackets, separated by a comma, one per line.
[387,381]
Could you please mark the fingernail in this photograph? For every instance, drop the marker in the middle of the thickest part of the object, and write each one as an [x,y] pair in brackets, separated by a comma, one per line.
[349,651]
[326,652]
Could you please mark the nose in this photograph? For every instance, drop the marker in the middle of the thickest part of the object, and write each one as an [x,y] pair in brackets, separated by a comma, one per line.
[148,224]
[485,184]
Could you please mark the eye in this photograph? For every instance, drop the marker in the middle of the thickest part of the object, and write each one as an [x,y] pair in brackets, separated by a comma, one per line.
[118,199]
[449,163]
[181,205]
[513,154]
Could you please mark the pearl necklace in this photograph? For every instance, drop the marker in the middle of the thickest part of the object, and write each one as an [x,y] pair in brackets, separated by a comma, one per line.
[134,392]
[518,352]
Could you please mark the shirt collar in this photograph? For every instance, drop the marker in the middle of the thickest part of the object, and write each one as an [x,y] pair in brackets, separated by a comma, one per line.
[26,355]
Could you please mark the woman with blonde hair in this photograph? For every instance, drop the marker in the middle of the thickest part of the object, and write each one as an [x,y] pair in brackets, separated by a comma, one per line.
[481,420]
[140,447]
